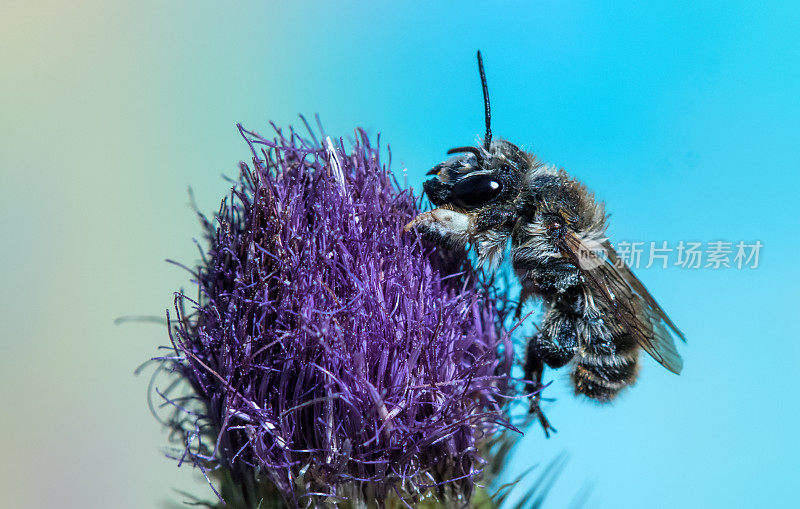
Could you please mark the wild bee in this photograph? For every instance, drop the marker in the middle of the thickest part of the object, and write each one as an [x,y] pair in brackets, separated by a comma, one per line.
[597,314]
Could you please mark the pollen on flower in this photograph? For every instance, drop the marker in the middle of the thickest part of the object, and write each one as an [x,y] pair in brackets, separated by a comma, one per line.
[330,355]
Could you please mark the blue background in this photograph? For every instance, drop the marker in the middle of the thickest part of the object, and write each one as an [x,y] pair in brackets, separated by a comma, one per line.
[683,118]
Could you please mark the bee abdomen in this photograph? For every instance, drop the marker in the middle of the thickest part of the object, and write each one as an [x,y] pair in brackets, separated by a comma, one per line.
[602,377]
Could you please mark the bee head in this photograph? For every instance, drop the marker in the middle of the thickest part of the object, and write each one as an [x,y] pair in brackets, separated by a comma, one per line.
[476,198]
[477,177]
[474,192]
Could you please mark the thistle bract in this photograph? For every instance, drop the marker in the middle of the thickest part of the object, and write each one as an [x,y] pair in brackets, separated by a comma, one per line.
[332,356]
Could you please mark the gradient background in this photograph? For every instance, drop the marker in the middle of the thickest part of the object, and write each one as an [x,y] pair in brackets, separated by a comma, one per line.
[683,118]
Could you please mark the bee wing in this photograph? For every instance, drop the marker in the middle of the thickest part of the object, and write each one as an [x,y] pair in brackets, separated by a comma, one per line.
[638,312]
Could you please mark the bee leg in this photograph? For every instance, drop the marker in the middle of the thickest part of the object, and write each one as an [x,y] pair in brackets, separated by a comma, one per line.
[527,292]
[491,232]
[534,370]
[443,226]
[544,350]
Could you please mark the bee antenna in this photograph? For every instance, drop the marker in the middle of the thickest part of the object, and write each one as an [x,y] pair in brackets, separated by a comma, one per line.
[472,150]
[487,140]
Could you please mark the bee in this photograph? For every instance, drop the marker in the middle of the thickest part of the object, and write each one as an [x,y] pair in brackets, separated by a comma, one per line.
[597,314]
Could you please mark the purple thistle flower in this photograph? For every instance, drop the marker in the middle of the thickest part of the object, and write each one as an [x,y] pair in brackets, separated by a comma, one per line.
[330,355]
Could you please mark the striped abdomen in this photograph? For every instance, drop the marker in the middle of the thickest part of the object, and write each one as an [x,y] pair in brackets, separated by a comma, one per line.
[605,366]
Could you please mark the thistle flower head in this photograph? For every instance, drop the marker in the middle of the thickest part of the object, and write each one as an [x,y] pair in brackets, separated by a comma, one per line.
[330,354]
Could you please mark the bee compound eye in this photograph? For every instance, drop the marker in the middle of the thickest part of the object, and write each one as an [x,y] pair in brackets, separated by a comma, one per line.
[476,190]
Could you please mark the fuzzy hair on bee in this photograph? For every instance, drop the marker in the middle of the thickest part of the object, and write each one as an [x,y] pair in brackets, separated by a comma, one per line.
[597,314]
